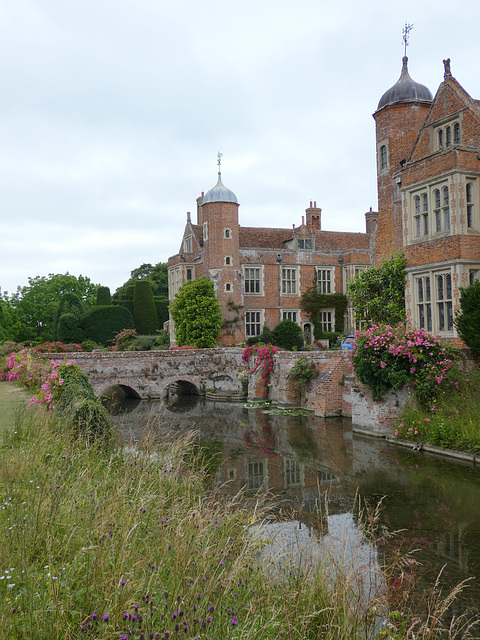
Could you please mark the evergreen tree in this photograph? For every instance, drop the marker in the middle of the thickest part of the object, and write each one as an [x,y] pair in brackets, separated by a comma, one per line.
[144,311]
[103,296]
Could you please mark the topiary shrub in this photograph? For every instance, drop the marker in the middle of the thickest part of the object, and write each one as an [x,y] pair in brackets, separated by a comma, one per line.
[287,335]
[102,324]
[144,310]
[69,329]
[468,320]
[103,296]
[161,305]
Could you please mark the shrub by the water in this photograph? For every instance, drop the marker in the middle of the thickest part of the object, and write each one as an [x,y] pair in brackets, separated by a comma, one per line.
[288,335]
[387,358]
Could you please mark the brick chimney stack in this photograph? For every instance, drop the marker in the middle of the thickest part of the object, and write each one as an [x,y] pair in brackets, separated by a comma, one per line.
[314,216]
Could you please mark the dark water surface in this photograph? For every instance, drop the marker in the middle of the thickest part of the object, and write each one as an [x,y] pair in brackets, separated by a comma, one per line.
[435,503]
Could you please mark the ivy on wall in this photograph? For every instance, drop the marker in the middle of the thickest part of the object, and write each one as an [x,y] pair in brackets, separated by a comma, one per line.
[314,303]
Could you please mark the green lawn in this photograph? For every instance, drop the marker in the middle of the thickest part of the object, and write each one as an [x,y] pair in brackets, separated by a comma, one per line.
[12,398]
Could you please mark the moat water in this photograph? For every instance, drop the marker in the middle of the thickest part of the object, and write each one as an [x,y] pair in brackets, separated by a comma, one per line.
[300,460]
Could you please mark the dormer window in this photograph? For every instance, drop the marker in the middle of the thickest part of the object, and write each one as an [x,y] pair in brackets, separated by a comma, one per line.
[304,243]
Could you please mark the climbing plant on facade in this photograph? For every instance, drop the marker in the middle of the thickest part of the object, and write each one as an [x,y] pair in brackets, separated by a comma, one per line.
[377,294]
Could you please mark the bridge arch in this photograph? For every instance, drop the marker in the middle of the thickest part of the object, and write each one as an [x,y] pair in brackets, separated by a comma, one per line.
[183,388]
[120,392]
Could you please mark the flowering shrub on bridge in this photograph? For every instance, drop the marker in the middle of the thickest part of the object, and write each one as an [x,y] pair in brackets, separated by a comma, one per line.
[388,357]
[262,359]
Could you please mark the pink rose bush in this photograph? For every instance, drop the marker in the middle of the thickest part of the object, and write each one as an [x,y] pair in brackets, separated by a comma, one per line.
[36,373]
[388,357]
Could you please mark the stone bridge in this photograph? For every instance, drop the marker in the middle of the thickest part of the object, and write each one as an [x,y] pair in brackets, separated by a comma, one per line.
[217,374]
[150,374]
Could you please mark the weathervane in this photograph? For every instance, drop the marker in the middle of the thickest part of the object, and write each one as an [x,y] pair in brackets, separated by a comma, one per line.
[406,33]
[219,161]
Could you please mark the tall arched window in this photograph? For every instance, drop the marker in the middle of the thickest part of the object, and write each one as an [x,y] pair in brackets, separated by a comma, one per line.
[470,204]
[383,157]
[446,208]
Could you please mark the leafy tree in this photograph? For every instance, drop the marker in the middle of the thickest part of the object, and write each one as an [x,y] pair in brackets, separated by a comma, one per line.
[10,325]
[144,311]
[196,313]
[157,276]
[36,303]
[67,330]
[378,293]
[468,319]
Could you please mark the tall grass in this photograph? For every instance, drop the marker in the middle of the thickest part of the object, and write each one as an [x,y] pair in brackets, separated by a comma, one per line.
[100,541]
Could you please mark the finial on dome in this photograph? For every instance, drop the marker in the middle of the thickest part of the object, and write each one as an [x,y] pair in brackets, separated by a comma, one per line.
[406,33]
[219,162]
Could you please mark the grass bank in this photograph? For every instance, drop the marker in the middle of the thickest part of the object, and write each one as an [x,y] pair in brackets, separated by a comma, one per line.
[12,399]
[103,542]
[452,420]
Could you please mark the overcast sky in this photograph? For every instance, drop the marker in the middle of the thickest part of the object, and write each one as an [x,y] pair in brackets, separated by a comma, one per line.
[113,112]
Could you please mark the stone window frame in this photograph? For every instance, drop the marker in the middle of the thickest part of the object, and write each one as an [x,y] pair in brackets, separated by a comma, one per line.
[228,261]
[228,287]
[189,273]
[253,280]
[254,321]
[441,208]
[471,207]
[447,134]
[430,211]
[205,231]
[188,244]
[175,280]
[227,233]
[433,300]
[290,280]
[325,278]
[327,319]
[473,275]
[383,163]
[291,314]
[303,242]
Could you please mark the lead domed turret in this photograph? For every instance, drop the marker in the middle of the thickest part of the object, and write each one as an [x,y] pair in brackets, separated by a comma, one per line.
[219,193]
[405,90]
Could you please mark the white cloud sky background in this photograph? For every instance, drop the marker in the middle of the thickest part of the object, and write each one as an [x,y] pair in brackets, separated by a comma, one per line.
[113,111]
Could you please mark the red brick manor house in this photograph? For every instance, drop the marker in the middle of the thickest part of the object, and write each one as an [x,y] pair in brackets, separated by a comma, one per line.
[428,176]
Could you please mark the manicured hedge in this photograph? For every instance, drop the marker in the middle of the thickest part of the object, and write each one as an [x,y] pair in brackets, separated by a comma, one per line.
[102,324]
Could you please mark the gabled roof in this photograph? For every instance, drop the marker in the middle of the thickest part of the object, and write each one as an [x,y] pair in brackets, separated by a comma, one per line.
[451,98]
[265,238]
